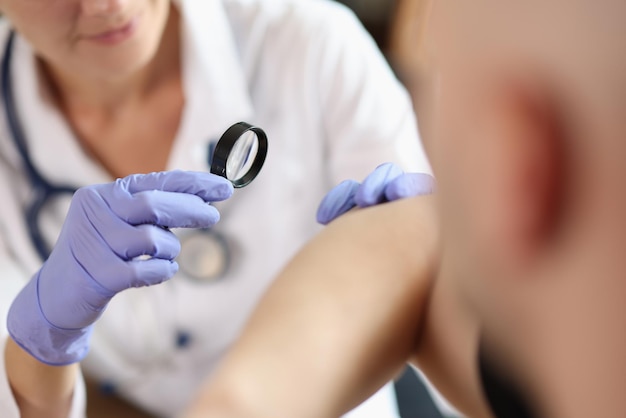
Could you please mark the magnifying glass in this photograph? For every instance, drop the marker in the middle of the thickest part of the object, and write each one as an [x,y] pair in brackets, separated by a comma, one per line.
[240,153]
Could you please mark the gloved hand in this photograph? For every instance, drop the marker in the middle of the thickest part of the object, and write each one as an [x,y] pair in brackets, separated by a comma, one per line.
[107,227]
[386,183]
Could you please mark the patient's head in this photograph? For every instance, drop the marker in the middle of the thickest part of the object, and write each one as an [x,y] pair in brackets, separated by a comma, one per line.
[522,106]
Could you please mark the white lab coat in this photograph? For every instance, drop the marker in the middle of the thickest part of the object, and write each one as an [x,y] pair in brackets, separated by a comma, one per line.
[304,71]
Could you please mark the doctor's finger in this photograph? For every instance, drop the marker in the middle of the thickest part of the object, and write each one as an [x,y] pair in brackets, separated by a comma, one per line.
[372,190]
[115,274]
[209,187]
[141,240]
[172,210]
[129,241]
[141,273]
[410,185]
[338,201]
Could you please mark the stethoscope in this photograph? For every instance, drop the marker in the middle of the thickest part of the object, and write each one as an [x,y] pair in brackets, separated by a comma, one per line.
[238,156]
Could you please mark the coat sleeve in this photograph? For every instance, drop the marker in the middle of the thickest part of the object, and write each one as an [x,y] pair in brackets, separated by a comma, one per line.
[368,115]
[9,286]
[12,278]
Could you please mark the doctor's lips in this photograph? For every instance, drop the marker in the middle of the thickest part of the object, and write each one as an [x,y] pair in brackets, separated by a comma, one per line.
[116,35]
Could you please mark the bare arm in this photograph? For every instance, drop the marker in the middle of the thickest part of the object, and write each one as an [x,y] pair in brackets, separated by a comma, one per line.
[340,321]
[447,350]
[40,390]
[344,316]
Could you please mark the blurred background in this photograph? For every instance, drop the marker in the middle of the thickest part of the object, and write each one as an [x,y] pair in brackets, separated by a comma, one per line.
[376,15]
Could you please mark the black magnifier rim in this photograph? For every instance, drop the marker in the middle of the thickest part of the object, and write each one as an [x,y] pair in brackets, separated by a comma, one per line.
[225,146]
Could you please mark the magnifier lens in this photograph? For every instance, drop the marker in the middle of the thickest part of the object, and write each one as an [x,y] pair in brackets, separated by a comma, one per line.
[242,156]
[240,153]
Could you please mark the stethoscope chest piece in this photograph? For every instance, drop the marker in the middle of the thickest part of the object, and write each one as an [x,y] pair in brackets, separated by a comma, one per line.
[204,256]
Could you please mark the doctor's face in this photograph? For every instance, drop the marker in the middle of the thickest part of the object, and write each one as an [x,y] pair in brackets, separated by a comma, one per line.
[93,38]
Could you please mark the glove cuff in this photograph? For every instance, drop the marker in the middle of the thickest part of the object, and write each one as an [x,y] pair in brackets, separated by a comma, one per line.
[30,329]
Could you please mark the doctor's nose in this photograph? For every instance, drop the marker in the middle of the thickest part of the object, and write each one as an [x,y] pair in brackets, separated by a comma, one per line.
[93,8]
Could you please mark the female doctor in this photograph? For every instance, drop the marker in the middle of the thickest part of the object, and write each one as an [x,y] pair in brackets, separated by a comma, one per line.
[95,90]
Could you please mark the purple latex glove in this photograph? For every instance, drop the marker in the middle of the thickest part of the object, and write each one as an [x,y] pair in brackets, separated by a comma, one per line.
[107,227]
[386,183]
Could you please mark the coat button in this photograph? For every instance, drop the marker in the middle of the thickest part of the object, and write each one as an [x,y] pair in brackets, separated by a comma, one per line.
[183,339]
[108,388]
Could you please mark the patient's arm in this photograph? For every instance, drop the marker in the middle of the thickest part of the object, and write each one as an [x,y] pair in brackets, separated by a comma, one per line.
[343,318]
[447,350]
[343,314]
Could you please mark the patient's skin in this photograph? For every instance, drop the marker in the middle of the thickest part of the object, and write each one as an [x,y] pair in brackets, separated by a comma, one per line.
[526,132]
[318,321]
[521,105]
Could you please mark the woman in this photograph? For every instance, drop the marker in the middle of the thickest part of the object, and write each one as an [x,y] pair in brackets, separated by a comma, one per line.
[108,88]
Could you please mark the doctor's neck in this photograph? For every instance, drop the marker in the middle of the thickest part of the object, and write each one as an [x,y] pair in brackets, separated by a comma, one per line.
[79,93]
